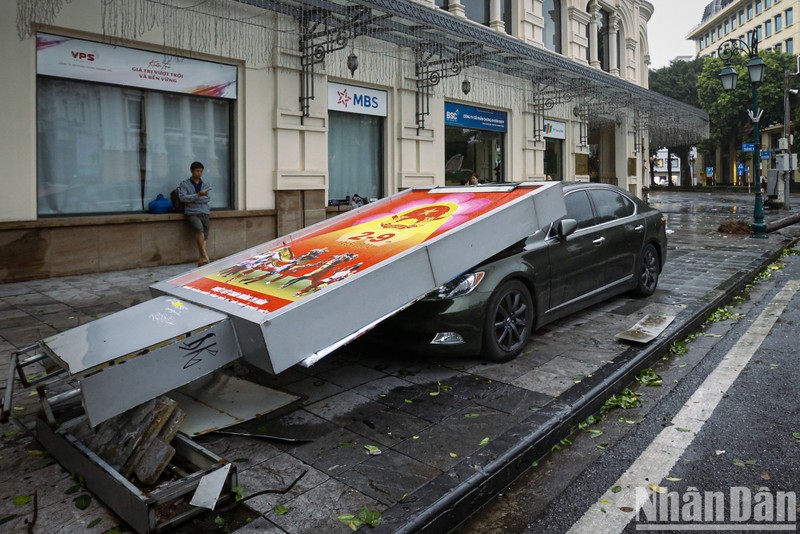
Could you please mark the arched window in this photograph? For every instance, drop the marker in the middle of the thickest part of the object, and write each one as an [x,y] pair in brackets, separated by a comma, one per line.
[603,40]
[551,10]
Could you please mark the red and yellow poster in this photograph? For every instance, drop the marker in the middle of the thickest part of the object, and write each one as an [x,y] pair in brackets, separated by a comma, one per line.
[281,274]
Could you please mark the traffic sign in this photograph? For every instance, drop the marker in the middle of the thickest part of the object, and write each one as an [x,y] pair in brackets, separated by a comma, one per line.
[765,155]
[740,169]
[748,147]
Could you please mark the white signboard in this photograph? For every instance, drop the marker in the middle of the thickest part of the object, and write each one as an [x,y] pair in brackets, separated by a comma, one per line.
[97,62]
[554,129]
[354,99]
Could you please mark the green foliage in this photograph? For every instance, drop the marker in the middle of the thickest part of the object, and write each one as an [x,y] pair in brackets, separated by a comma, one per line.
[728,110]
[625,399]
[678,81]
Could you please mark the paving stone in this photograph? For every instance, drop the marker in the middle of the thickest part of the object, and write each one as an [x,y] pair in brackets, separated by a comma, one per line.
[349,376]
[260,525]
[389,476]
[11,290]
[568,367]
[313,389]
[515,400]
[277,475]
[388,427]
[318,510]
[380,388]
[344,408]
[457,434]
[544,382]
[245,452]
[334,452]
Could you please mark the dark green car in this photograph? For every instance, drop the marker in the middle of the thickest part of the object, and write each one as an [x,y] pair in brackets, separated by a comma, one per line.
[610,242]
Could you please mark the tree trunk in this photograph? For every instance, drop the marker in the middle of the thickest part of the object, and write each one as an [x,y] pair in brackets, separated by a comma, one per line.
[782,223]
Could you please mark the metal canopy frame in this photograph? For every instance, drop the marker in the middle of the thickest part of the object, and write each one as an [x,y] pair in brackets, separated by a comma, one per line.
[433,32]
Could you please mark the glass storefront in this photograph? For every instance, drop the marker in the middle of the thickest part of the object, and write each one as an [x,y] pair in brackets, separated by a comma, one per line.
[554,135]
[474,144]
[107,149]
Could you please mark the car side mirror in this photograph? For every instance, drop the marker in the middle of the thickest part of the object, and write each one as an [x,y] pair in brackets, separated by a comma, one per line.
[565,227]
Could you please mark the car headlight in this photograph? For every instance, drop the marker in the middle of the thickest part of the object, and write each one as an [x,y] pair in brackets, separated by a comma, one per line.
[457,287]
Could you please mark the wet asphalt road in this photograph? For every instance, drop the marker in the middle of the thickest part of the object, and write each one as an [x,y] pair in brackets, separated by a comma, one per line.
[747,442]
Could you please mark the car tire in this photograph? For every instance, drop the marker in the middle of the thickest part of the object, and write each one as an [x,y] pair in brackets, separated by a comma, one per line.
[648,272]
[508,323]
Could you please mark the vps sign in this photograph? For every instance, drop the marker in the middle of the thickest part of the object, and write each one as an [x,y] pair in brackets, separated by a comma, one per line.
[354,99]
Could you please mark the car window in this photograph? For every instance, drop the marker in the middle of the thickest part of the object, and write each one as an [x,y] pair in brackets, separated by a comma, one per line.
[610,205]
[579,208]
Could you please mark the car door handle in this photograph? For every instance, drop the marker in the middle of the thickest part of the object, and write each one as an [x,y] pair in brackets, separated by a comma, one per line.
[599,241]
[639,228]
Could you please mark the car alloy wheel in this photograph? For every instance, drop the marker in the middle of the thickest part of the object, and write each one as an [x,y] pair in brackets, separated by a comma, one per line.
[509,320]
[648,272]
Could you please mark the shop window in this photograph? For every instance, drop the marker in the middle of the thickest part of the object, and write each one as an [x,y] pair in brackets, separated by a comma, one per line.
[468,151]
[355,155]
[129,147]
[553,159]
[551,10]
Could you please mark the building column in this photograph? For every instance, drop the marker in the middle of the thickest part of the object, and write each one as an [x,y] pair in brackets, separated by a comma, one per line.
[613,64]
[594,14]
[457,8]
[496,16]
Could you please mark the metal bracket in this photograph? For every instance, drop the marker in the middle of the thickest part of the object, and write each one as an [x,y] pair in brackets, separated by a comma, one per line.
[321,32]
[430,71]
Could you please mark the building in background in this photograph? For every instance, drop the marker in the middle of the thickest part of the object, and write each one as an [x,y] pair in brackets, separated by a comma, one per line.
[294,106]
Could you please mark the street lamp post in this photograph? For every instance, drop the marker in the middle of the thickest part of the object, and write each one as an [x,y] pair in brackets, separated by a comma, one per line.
[728,76]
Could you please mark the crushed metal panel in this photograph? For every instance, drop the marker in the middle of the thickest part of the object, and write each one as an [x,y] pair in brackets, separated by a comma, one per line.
[647,329]
[220,401]
[118,388]
[128,333]
[363,265]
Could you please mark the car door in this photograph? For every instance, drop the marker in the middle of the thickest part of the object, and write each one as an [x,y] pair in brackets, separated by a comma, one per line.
[576,262]
[623,233]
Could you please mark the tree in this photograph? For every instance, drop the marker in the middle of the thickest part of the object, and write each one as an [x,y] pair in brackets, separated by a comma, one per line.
[678,81]
[728,110]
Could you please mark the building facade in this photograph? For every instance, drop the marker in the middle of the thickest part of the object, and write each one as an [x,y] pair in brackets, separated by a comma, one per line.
[773,21]
[296,107]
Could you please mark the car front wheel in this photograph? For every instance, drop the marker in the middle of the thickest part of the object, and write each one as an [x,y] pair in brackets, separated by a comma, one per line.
[648,272]
[508,323]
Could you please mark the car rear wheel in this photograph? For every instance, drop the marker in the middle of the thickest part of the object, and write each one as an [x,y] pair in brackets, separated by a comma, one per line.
[508,323]
[648,272]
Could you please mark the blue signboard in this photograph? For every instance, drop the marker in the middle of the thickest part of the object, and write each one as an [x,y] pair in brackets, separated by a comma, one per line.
[472,117]
[748,147]
[709,171]
[740,169]
[764,155]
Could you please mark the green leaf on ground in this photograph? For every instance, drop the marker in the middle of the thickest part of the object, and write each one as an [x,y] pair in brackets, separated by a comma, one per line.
[648,377]
[471,415]
[239,492]
[19,500]
[73,489]
[82,502]
[94,522]
[219,521]
[625,400]
[483,442]
[345,444]
[616,489]
[280,509]
[372,450]
[453,455]
[796,436]
[36,452]
[674,479]
[680,429]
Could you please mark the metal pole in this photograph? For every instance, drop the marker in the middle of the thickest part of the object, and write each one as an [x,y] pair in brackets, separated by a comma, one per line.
[759,226]
[787,175]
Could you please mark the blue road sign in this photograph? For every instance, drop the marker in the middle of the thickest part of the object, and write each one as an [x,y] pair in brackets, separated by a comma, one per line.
[740,168]
[748,147]
[765,154]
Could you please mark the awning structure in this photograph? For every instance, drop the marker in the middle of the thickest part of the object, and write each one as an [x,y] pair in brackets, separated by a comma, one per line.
[445,45]
[439,44]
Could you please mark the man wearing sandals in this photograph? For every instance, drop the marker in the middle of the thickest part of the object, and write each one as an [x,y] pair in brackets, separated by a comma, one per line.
[193,193]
